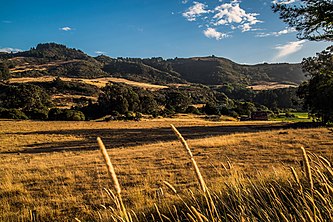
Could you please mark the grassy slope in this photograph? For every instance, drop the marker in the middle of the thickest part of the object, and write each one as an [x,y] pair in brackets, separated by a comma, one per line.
[60,174]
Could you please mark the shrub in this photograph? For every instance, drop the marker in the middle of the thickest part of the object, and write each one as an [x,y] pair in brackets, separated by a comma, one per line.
[193,110]
[38,114]
[66,115]
[12,114]
[211,109]
[233,113]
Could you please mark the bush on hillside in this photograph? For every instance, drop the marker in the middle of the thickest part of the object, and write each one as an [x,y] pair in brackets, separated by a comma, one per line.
[193,110]
[57,114]
[12,114]
[38,114]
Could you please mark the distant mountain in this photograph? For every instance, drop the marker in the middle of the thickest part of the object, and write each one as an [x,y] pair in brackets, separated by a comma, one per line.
[58,60]
[54,51]
[137,70]
[214,71]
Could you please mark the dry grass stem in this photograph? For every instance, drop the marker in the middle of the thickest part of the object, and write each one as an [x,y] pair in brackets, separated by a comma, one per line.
[295,175]
[113,175]
[194,163]
[307,168]
[109,165]
[170,186]
[182,140]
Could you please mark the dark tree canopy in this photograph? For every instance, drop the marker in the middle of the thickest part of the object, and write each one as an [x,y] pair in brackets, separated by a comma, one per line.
[26,97]
[4,71]
[313,19]
[177,101]
[317,92]
[118,97]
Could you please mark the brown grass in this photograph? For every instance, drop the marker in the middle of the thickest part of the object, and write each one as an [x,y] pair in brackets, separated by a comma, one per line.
[271,86]
[99,82]
[55,168]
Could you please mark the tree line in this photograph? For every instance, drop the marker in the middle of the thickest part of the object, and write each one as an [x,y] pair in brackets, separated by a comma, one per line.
[312,19]
[121,101]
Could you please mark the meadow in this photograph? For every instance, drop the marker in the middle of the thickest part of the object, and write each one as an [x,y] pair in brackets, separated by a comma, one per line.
[53,171]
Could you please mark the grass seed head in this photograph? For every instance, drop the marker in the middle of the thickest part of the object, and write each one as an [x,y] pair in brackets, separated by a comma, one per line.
[109,165]
[307,168]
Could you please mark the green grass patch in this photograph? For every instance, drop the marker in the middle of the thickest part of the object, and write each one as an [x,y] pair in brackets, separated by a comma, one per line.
[292,117]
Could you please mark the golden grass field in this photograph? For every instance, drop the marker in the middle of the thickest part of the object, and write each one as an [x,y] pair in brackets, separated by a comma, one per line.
[56,170]
[271,86]
[99,82]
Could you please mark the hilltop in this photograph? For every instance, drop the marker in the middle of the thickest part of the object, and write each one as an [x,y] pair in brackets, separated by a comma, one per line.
[51,59]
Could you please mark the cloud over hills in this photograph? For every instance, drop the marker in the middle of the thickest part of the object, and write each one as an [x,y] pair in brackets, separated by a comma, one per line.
[9,50]
[289,48]
[225,16]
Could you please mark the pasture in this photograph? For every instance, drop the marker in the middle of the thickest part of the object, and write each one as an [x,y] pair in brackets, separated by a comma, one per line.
[55,171]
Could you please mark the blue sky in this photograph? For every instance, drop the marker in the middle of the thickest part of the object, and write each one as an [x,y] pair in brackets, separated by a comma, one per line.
[244,31]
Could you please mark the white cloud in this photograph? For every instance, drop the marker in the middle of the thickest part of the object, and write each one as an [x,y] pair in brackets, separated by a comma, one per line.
[246,27]
[100,52]
[66,28]
[9,50]
[195,10]
[212,33]
[231,13]
[184,1]
[279,33]
[289,48]
[284,2]
[222,18]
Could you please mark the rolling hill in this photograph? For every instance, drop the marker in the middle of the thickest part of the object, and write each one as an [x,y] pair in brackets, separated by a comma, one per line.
[51,59]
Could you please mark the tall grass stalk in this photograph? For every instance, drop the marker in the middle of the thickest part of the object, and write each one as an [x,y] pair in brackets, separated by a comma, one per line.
[194,163]
[310,180]
[114,178]
[305,197]
[307,168]
[210,203]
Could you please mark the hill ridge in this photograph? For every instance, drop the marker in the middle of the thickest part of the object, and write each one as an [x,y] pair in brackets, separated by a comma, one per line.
[59,60]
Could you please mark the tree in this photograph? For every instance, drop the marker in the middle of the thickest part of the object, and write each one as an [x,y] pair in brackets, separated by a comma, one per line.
[313,19]
[177,101]
[211,109]
[65,115]
[26,97]
[148,104]
[317,92]
[4,71]
[118,97]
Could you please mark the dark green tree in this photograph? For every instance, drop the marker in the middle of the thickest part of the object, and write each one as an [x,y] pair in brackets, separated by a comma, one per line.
[26,97]
[148,104]
[4,71]
[313,19]
[65,115]
[211,109]
[177,101]
[317,92]
[118,97]
[245,108]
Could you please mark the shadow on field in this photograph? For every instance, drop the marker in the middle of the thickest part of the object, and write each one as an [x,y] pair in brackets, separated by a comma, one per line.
[117,138]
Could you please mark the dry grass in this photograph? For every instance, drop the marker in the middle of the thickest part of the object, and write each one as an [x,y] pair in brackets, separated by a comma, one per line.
[271,86]
[55,168]
[99,82]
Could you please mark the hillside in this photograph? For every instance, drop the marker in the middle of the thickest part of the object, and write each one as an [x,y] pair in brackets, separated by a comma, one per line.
[215,71]
[51,59]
